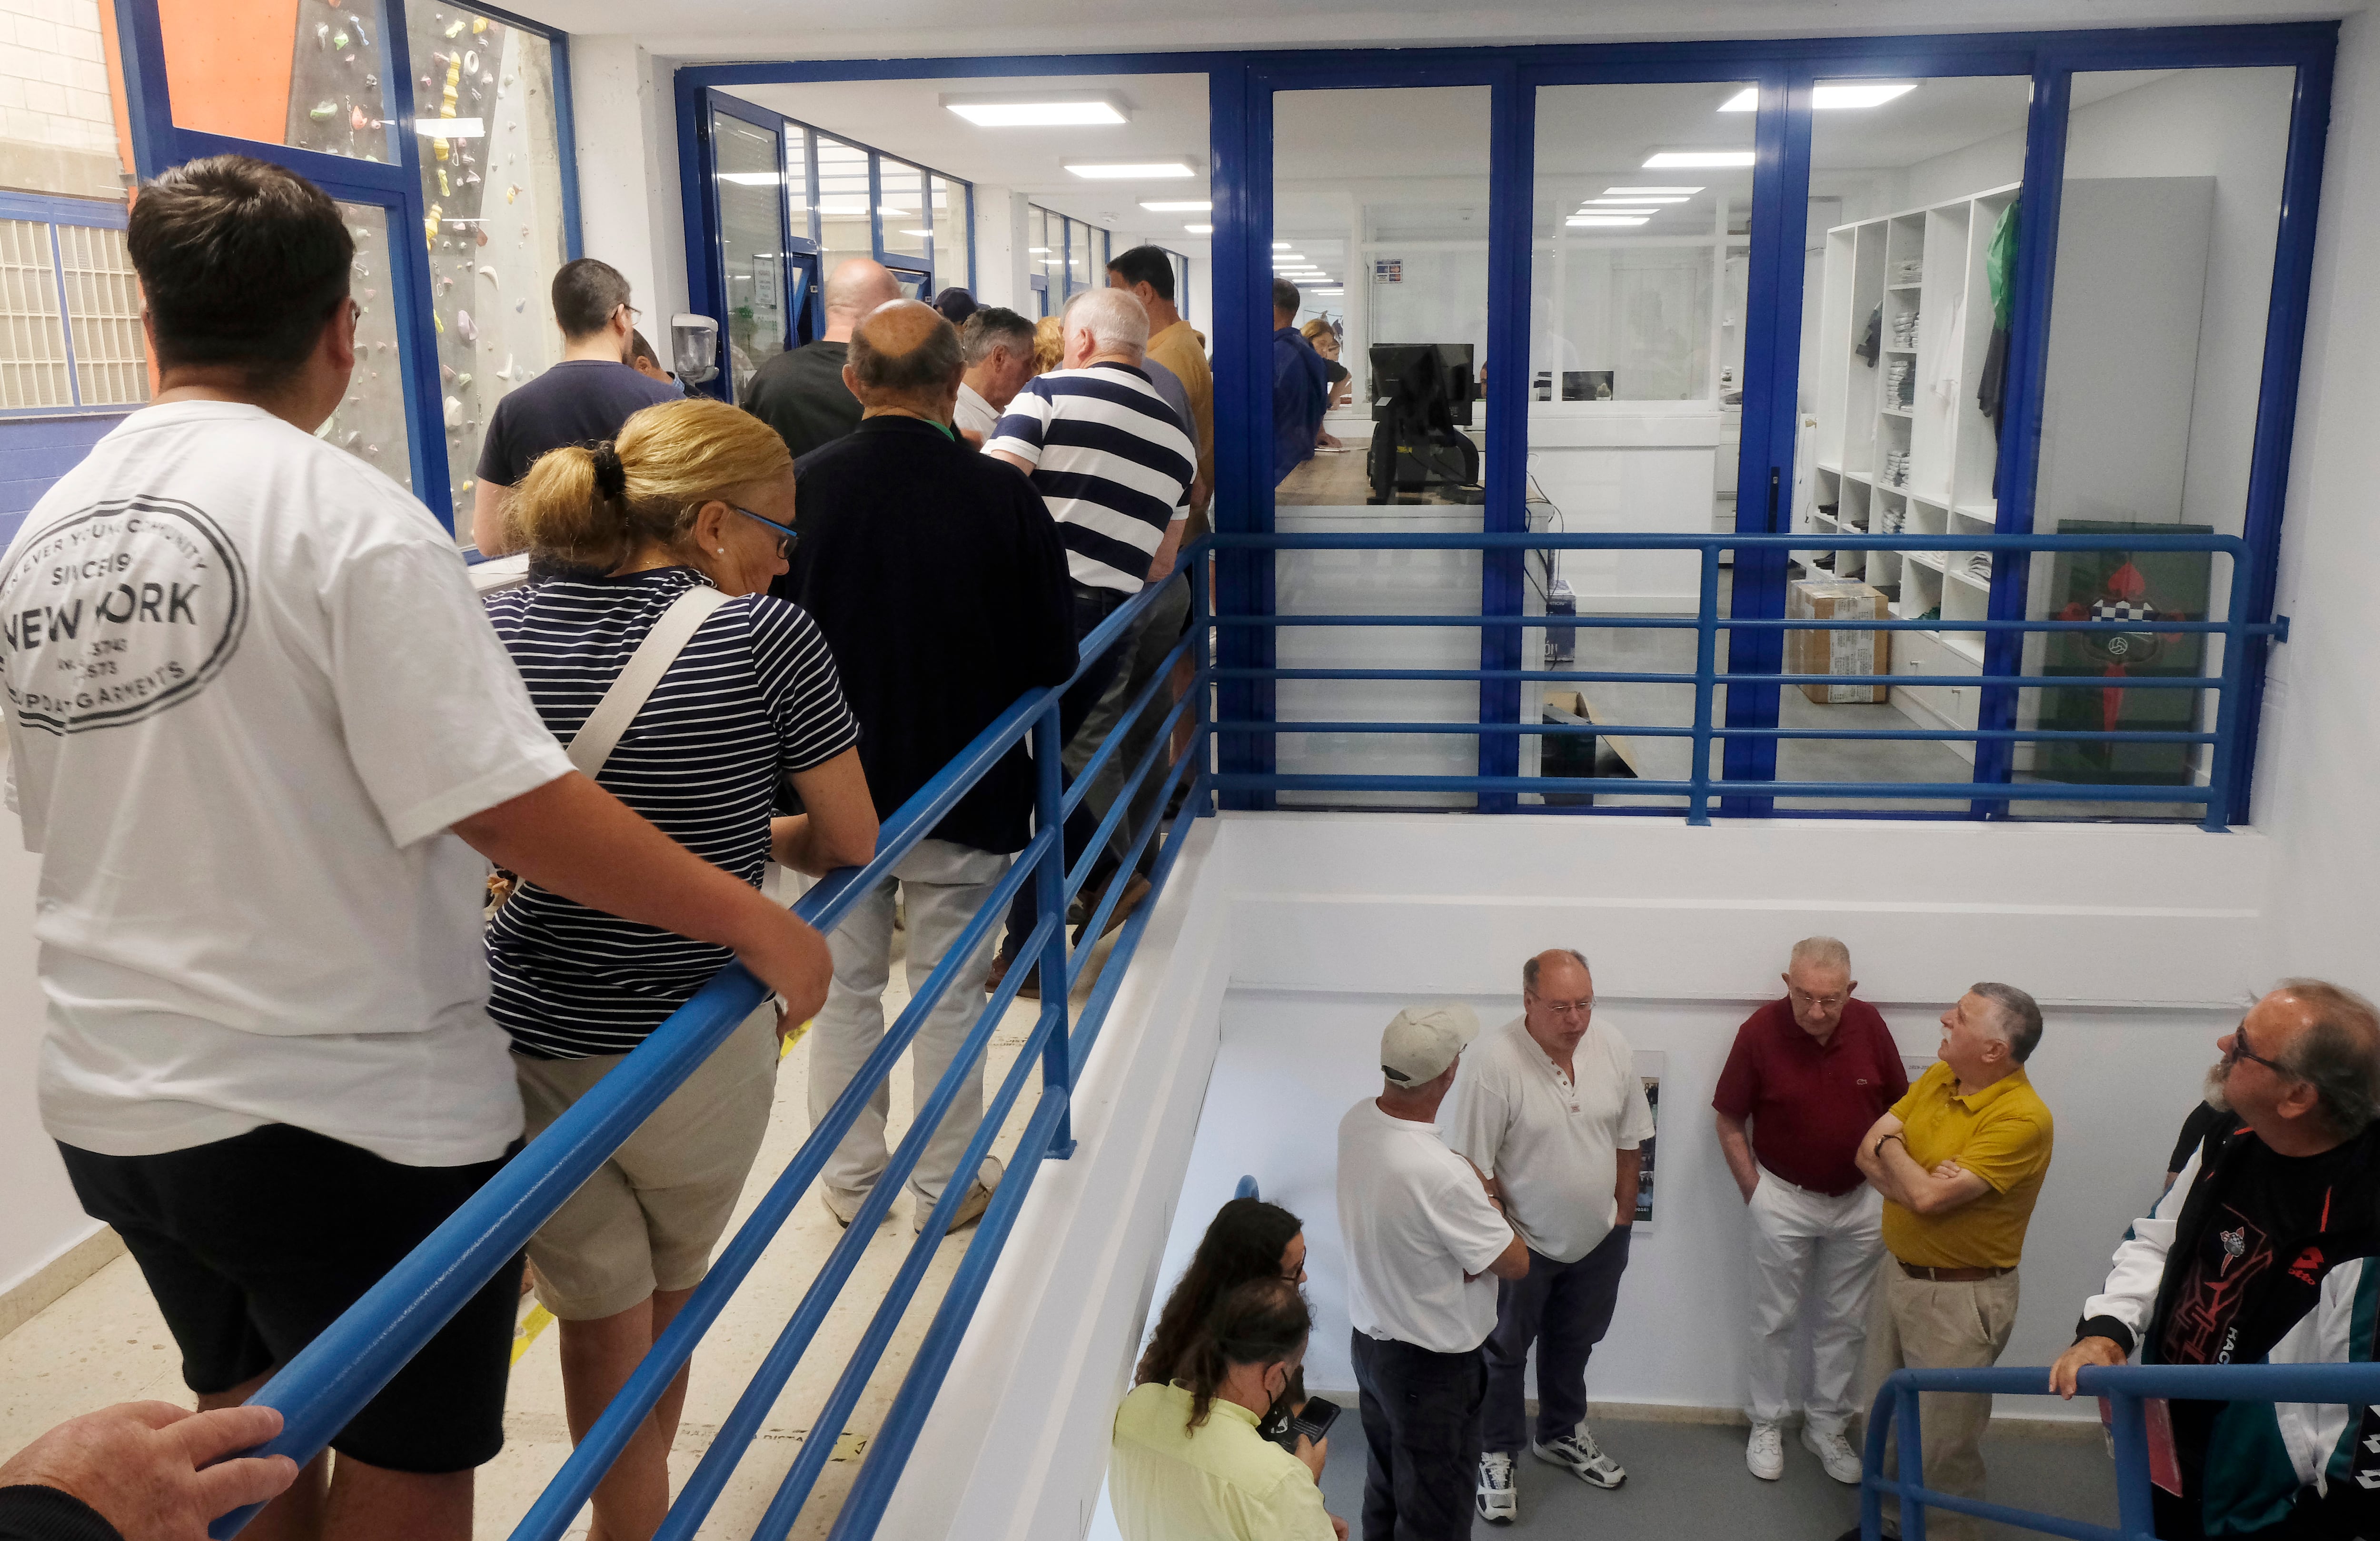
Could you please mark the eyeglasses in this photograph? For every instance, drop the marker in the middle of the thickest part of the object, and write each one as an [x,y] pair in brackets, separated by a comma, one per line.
[1828,1000]
[2239,1050]
[1569,1008]
[635,315]
[787,534]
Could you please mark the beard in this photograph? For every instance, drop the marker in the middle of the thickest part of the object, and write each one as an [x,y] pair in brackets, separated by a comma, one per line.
[2214,1091]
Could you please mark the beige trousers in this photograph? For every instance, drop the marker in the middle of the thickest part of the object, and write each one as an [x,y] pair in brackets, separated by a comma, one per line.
[1921,1325]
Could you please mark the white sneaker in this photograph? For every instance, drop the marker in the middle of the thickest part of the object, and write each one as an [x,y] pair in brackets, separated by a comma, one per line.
[1500,1502]
[1764,1452]
[1834,1453]
[1579,1455]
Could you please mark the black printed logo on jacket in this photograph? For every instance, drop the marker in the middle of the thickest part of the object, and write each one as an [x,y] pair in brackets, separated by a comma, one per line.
[114,613]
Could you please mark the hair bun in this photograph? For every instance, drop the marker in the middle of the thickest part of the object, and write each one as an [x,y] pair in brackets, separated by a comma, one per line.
[611,477]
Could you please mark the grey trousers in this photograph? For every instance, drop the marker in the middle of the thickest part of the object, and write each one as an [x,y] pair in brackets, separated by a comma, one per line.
[944,883]
[1152,637]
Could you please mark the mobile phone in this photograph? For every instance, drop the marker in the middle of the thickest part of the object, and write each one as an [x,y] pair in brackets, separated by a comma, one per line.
[1314,1420]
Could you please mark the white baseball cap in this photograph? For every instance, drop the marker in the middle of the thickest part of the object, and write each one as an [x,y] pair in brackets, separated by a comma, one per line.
[1421,1042]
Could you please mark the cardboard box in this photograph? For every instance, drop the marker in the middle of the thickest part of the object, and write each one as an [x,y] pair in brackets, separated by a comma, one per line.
[1857,655]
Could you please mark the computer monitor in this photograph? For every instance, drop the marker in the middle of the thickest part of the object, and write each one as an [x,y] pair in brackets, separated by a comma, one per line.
[1434,383]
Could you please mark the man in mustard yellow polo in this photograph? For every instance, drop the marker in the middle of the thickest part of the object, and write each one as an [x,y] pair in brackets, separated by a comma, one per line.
[1959,1161]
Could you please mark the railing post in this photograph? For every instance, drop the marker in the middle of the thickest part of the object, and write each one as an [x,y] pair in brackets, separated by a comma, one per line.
[1202,659]
[1050,899]
[1705,665]
[2223,753]
[1912,1462]
[2135,1510]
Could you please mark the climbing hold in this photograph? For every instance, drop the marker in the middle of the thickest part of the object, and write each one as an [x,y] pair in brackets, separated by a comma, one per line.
[461,380]
[322,112]
[479,25]
[322,35]
[357,120]
[455,30]
[446,373]
[512,192]
[490,274]
[520,306]
[506,373]
[471,61]
[339,40]
[464,328]
[454,411]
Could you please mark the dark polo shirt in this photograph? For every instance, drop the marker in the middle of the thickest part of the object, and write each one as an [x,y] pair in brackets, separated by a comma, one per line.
[1809,1103]
[801,394]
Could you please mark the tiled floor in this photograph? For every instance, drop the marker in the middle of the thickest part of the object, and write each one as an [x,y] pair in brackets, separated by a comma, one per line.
[103,1342]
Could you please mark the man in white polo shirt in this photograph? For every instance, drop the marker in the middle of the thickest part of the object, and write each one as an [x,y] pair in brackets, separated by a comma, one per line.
[1553,1112]
[1424,1234]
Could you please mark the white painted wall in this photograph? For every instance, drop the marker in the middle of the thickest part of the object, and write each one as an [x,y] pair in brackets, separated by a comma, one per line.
[629,210]
[58,131]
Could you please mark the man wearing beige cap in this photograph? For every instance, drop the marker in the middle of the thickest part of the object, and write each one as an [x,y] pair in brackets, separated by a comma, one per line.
[1425,1240]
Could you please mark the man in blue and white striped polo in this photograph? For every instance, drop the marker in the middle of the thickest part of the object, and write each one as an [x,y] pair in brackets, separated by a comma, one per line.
[1113,464]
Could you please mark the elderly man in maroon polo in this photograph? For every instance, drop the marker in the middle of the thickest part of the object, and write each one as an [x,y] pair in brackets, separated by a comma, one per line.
[1810,1074]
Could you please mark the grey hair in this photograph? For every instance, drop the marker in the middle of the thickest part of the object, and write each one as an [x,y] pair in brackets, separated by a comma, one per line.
[1117,321]
[2338,1054]
[2019,1017]
[1529,970]
[988,328]
[1820,952]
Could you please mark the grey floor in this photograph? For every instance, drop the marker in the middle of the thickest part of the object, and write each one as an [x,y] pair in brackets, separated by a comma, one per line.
[1687,1481]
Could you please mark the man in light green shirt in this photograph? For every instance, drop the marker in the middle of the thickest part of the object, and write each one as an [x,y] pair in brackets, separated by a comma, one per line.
[1187,1464]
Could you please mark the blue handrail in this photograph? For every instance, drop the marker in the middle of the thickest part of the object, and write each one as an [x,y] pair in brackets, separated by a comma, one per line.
[2127,1389]
[320,1388]
[1988,795]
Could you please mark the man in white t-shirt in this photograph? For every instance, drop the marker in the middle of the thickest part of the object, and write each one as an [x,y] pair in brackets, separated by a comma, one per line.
[267,741]
[999,347]
[1551,1108]
[1423,1236]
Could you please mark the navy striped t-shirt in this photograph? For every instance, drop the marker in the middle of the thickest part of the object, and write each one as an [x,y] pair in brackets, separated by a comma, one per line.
[1110,460]
[751,699]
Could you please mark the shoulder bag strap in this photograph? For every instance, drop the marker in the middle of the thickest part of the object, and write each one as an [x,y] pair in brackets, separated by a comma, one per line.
[595,741]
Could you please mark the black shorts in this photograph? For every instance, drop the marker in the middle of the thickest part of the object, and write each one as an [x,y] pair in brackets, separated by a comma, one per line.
[254,1245]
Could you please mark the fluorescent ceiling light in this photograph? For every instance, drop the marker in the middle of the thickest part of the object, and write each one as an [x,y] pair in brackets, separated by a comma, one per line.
[1199,229]
[1638,200]
[452,128]
[1848,93]
[1647,212]
[1331,291]
[1177,205]
[1036,249]
[1112,171]
[751,179]
[1650,192]
[1040,110]
[1681,158]
[1602,222]
[1281,245]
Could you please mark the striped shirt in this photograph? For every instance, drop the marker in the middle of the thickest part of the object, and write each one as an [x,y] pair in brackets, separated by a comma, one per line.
[751,699]
[1110,460]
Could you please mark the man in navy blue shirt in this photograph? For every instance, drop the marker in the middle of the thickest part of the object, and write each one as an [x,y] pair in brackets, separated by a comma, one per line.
[1301,386]
[582,400]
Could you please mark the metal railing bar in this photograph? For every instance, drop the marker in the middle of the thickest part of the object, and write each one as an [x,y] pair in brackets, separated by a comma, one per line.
[585,1467]
[1557,676]
[1108,749]
[1613,786]
[818,1443]
[2054,736]
[896,1435]
[1158,743]
[1095,925]
[1791,540]
[1745,623]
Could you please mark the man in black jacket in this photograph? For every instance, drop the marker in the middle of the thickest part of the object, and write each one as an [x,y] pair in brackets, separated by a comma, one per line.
[803,393]
[2257,1251]
[937,576]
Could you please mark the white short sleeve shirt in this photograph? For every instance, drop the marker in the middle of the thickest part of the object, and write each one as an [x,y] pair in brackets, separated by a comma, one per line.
[1416,1220]
[1552,1142]
[249,689]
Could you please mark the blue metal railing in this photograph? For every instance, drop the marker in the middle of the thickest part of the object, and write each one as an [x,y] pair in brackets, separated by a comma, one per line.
[319,1390]
[1700,785]
[2128,1388]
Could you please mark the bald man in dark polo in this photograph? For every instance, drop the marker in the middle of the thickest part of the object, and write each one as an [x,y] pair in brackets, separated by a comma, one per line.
[936,575]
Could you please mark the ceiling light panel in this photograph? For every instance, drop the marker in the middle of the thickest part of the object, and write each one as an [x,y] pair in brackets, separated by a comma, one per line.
[1040,110]
[1650,192]
[1700,158]
[1177,205]
[1603,222]
[1199,229]
[1118,171]
[1836,97]
[1636,202]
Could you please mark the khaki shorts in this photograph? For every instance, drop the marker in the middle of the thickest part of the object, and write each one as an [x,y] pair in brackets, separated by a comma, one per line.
[648,1216]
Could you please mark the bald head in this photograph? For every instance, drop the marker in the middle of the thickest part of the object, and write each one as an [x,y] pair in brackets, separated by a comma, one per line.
[852,289]
[905,355]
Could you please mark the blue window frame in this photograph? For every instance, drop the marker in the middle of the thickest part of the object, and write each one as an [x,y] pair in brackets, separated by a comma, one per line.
[158,143]
[1241,91]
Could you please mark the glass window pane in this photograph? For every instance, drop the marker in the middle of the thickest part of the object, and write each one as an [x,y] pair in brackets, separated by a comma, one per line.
[1043,259]
[32,340]
[1389,186]
[797,182]
[61,75]
[2167,226]
[1078,257]
[845,230]
[370,422]
[1911,198]
[901,203]
[111,353]
[321,90]
[751,244]
[952,266]
[492,189]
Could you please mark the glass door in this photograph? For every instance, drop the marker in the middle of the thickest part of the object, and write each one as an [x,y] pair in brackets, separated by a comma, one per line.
[748,159]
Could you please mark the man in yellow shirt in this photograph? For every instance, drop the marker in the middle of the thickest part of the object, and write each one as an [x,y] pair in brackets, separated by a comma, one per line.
[1187,1464]
[1147,272]
[1960,1160]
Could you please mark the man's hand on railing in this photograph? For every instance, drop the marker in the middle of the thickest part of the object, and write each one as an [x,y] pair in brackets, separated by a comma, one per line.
[2088,1351]
[153,1471]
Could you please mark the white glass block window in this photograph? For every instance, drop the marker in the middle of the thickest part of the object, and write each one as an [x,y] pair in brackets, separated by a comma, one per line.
[32,334]
[103,314]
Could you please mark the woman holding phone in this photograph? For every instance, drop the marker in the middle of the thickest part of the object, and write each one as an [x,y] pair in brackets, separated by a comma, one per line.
[1187,1460]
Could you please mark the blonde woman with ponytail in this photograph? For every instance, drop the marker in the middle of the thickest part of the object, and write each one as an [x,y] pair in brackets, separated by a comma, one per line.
[694,496]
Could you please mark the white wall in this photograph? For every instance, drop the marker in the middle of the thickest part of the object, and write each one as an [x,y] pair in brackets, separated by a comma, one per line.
[58,132]
[630,211]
